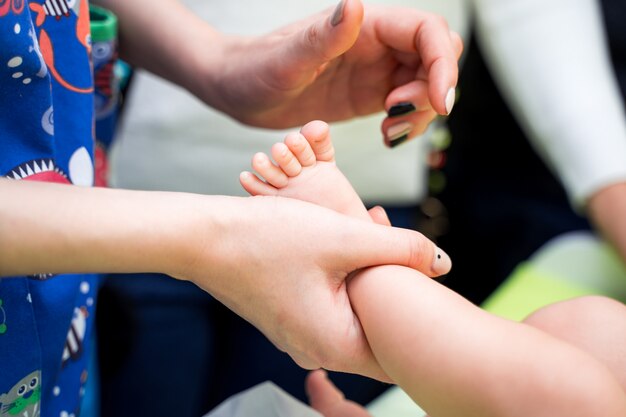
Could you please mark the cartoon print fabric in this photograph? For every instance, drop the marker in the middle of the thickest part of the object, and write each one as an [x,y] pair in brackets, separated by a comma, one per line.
[106,85]
[46,134]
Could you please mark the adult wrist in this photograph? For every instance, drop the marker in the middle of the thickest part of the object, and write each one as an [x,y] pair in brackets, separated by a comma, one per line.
[210,72]
[199,237]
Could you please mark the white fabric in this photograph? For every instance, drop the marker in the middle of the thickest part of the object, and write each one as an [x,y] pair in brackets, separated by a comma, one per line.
[268,400]
[171,141]
[263,400]
[550,60]
[585,260]
[394,403]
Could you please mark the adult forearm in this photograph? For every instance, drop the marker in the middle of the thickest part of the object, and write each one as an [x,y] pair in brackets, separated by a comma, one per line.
[49,228]
[551,62]
[165,38]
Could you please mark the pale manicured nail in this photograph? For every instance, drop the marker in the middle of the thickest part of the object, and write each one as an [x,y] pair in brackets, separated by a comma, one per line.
[442,262]
[450,97]
[337,14]
[398,133]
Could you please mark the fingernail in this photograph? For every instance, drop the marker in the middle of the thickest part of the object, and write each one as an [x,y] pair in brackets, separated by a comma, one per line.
[442,262]
[337,14]
[398,133]
[399,141]
[401,109]
[450,97]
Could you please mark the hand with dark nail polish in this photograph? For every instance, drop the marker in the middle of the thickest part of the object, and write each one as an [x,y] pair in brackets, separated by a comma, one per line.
[400,109]
[340,73]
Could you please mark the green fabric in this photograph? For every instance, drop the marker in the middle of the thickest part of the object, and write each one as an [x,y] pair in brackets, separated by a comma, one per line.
[103,24]
[528,289]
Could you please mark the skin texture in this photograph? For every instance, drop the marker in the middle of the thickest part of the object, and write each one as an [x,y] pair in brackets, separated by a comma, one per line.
[325,68]
[373,58]
[328,400]
[279,263]
[595,324]
[449,355]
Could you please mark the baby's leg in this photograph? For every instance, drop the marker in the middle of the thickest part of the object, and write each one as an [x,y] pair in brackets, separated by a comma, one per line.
[595,324]
[455,359]
[450,356]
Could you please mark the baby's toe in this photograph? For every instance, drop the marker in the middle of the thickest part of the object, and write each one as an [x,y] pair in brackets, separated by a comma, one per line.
[286,160]
[254,186]
[300,147]
[270,172]
[317,134]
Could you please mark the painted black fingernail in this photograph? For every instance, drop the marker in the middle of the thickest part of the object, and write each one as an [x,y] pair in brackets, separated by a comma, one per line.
[396,142]
[401,109]
[337,14]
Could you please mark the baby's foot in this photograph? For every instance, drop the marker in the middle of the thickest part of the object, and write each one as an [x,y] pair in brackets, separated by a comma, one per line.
[305,169]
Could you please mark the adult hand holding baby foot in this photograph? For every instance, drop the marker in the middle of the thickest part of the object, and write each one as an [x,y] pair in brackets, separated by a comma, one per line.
[301,287]
[282,266]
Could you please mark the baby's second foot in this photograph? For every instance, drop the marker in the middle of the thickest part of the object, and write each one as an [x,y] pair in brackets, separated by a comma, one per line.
[305,169]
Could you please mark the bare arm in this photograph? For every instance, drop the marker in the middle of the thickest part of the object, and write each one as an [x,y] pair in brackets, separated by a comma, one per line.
[167,39]
[454,359]
[551,61]
[56,228]
[241,250]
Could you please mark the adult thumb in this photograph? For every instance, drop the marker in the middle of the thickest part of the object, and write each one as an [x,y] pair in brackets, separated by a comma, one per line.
[325,36]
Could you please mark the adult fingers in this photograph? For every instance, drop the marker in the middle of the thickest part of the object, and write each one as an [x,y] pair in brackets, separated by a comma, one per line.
[328,400]
[323,394]
[409,113]
[379,216]
[428,35]
[373,244]
[439,57]
[398,131]
[326,36]
[344,346]
[414,92]
[360,360]
[457,43]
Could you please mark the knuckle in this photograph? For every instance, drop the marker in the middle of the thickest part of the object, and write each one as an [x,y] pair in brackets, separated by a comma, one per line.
[439,20]
[313,41]
[419,248]
[312,36]
[443,21]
